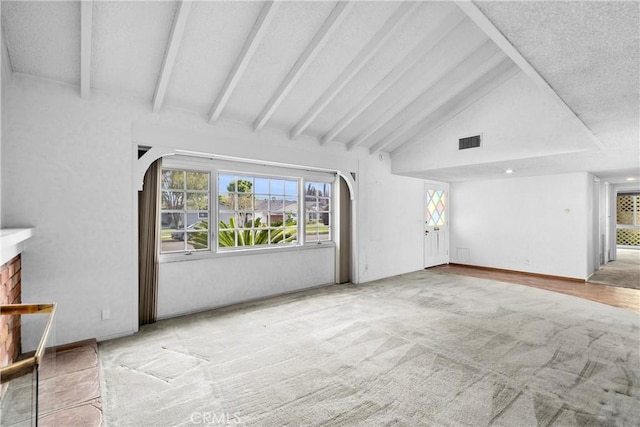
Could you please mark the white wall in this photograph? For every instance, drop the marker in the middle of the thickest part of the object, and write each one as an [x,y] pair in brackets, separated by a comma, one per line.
[190,286]
[67,168]
[389,218]
[593,228]
[517,120]
[605,218]
[68,171]
[545,220]
[5,80]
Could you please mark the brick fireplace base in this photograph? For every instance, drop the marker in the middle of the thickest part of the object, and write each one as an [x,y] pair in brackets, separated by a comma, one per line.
[10,293]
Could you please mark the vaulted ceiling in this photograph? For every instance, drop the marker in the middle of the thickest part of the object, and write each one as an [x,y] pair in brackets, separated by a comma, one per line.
[363,75]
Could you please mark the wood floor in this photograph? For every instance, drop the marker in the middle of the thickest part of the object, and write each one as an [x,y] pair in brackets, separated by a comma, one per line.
[618,297]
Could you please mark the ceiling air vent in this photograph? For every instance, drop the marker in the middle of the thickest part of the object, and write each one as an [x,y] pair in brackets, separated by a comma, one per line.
[469,142]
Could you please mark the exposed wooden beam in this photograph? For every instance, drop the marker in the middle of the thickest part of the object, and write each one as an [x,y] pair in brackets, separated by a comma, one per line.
[490,30]
[448,77]
[253,41]
[495,77]
[416,55]
[370,49]
[171,53]
[328,27]
[86,25]
[463,76]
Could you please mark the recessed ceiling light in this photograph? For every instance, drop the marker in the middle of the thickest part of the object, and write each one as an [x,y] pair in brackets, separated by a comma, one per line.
[509,171]
[631,179]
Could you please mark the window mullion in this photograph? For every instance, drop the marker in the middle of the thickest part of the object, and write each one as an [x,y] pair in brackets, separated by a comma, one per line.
[302,211]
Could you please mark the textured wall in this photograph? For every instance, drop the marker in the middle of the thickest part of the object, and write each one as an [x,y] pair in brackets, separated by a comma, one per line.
[67,168]
[534,224]
[196,285]
[517,120]
[5,78]
[389,218]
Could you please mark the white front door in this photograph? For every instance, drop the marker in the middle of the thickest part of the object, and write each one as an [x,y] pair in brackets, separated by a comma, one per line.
[436,227]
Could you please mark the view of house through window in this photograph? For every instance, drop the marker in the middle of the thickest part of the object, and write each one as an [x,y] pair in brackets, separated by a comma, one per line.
[255,211]
[184,210]
[317,203]
[250,210]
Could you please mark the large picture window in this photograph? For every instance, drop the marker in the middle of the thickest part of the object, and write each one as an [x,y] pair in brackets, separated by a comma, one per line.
[257,211]
[210,206]
[184,211]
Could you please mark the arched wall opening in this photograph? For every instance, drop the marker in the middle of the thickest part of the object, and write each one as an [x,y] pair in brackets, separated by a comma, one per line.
[342,253]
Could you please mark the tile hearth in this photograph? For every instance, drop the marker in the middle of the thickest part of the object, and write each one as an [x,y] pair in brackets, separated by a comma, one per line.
[69,391]
[70,387]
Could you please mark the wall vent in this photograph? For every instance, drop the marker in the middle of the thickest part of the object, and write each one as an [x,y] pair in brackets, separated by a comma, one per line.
[469,142]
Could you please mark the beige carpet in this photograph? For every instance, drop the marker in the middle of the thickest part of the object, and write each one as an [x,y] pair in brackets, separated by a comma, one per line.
[421,349]
[623,272]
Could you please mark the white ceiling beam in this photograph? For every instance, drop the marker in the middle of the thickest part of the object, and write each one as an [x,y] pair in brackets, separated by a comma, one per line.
[448,78]
[253,41]
[495,77]
[7,69]
[476,15]
[365,55]
[171,53]
[416,55]
[328,27]
[86,26]
[463,76]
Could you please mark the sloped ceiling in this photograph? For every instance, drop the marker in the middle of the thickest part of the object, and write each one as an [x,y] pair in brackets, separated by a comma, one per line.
[589,53]
[363,75]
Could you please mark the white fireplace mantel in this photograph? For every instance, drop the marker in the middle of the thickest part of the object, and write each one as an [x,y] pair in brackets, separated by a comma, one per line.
[12,242]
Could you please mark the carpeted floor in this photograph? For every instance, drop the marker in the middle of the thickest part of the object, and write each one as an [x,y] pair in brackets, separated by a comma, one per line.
[421,349]
[624,271]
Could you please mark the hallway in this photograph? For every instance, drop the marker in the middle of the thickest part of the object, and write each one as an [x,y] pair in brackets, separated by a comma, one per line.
[623,272]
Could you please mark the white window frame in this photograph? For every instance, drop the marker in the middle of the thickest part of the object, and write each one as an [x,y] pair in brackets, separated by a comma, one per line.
[227,167]
[185,211]
[298,180]
[330,212]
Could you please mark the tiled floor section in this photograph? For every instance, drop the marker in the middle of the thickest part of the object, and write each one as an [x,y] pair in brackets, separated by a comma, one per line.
[69,392]
[70,387]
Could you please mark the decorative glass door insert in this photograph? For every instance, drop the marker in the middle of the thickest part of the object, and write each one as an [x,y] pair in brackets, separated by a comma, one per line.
[436,207]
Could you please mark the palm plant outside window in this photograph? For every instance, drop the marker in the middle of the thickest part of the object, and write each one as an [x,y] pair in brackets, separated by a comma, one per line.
[220,211]
[257,211]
